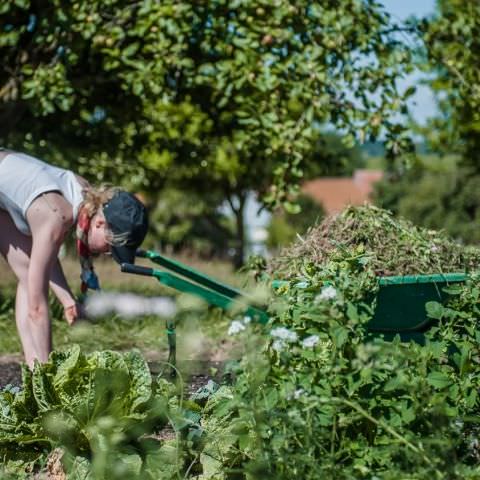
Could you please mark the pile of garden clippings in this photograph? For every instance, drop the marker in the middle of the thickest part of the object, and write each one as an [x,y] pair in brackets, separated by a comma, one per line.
[393,246]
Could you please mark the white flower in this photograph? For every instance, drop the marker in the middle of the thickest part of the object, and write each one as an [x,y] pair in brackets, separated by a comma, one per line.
[278,345]
[434,249]
[310,341]
[235,327]
[327,293]
[284,334]
[298,393]
[247,319]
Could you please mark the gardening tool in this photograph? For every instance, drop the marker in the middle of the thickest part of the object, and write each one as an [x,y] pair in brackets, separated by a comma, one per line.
[198,284]
[400,303]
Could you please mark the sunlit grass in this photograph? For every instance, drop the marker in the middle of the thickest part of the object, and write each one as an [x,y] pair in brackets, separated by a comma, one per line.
[201,331]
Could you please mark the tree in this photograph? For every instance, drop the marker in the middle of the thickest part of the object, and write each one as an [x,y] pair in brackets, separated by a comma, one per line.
[330,156]
[443,196]
[223,95]
[191,223]
[262,77]
[452,47]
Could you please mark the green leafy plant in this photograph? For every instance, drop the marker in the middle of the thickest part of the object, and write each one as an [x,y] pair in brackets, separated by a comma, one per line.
[96,407]
[320,397]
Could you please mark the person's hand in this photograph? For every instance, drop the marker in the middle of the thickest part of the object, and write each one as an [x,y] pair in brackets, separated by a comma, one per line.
[74,312]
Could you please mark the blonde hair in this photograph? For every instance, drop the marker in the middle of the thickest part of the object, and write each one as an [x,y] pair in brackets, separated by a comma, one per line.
[93,200]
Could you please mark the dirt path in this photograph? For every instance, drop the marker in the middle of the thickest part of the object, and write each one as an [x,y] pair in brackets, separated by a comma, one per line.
[10,371]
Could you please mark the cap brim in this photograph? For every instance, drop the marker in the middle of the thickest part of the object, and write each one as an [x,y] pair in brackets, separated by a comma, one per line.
[124,254]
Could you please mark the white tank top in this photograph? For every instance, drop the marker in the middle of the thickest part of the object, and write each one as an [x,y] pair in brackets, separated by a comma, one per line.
[23,178]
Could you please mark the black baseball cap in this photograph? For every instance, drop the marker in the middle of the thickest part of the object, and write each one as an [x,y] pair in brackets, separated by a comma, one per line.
[126,215]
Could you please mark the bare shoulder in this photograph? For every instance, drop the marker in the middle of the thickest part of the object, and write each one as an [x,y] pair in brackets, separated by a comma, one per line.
[50,211]
[82,181]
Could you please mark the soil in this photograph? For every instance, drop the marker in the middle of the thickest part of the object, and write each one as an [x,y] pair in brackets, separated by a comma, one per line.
[195,373]
[10,371]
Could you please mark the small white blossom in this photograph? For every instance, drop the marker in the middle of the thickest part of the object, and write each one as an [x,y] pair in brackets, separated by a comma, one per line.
[327,293]
[298,393]
[278,345]
[247,319]
[284,334]
[235,327]
[310,341]
[434,249]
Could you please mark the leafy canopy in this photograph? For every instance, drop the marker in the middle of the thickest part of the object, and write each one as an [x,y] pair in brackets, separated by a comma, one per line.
[453,53]
[443,192]
[224,94]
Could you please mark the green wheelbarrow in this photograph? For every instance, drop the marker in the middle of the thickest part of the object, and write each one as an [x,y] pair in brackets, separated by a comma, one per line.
[400,304]
[400,308]
[187,280]
[196,283]
[401,300]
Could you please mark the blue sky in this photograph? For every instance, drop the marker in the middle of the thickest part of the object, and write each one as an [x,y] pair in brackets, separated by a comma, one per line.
[422,104]
[404,8]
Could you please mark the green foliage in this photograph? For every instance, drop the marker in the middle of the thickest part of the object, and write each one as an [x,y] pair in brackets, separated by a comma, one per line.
[432,195]
[315,396]
[446,199]
[219,95]
[191,222]
[96,407]
[453,52]
[321,399]
[330,156]
[451,57]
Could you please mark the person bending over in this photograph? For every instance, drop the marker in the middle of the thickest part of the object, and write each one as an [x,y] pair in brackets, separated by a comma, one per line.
[39,205]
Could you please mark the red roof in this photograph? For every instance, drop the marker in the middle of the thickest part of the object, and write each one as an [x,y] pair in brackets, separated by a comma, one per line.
[335,193]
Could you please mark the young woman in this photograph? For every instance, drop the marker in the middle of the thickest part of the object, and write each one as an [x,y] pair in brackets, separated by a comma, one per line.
[39,205]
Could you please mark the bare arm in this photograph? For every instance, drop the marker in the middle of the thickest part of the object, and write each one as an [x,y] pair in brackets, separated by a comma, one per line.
[49,220]
[46,241]
[45,246]
[59,285]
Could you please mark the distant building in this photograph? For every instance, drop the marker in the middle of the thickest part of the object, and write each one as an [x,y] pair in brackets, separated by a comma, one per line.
[335,193]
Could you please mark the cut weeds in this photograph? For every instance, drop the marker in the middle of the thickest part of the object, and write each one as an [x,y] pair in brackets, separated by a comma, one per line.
[391,246]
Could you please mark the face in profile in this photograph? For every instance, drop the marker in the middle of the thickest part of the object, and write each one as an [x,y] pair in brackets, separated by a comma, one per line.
[98,235]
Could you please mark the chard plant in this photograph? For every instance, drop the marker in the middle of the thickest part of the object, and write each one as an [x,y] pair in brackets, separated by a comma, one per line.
[101,409]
